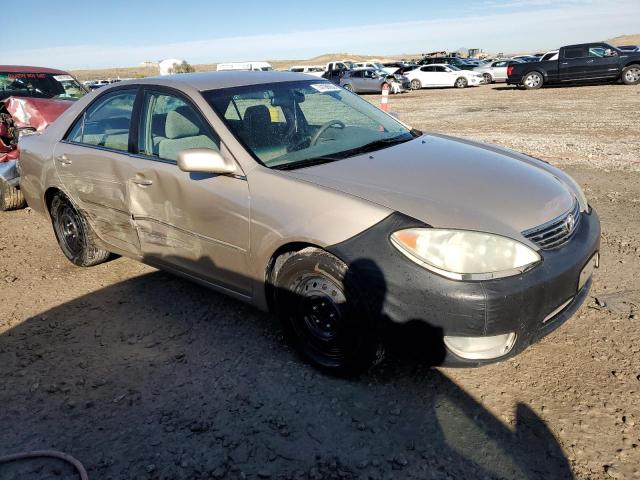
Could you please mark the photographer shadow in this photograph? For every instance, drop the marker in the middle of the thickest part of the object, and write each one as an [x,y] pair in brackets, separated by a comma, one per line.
[155,377]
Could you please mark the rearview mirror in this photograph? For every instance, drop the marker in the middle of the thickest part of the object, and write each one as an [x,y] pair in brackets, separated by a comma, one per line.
[204,160]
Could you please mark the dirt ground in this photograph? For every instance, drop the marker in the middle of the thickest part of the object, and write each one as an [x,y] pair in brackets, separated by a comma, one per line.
[141,375]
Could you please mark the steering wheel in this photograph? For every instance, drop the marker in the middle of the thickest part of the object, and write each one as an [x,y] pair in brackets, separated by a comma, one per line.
[323,128]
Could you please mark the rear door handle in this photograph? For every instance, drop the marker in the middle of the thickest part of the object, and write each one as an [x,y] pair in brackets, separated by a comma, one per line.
[63,160]
[143,182]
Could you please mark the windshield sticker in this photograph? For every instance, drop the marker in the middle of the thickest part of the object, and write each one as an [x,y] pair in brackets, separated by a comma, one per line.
[26,75]
[325,87]
[63,78]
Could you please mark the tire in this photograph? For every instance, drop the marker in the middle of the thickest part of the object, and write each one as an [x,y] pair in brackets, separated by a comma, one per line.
[631,75]
[533,81]
[74,235]
[348,87]
[11,198]
[461,83]
[416,84]
[323,313]
[488,79]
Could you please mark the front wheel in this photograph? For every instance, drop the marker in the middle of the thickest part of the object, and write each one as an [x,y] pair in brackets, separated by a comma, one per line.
[461,83]
[488,79]
[11,198]
[323,313]
[631,75]
[415,84]
[533,81]
[74,235]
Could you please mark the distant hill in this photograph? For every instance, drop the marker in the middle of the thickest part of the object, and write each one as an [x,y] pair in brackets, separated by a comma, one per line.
[625,40]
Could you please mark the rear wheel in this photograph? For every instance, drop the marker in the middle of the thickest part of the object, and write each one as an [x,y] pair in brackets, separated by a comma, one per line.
[461,83]
[415,84]
[323,313]
[74,235]
[631,75]
[488,79]
[533,81]
[11,198]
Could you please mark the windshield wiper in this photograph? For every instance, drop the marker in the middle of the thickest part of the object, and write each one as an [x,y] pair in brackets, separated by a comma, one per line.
[379,144]
[307,163]
[367,147]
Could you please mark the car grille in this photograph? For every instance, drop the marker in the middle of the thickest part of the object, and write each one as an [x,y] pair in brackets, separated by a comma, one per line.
[557,232]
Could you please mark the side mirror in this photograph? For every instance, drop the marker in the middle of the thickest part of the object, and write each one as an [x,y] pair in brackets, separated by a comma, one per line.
[204,160]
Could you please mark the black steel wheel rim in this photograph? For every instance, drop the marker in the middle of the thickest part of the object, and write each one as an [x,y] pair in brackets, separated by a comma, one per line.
[70,229]
[319,317]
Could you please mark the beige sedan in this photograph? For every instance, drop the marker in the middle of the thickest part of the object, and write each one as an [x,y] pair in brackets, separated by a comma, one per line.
[295,195]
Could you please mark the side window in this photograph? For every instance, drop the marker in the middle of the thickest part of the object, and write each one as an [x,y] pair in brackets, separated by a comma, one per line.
[500,64]
[425,69]
[440,69]
[169,125]
[357,74]
[578,52]
[106,122]
[596,52]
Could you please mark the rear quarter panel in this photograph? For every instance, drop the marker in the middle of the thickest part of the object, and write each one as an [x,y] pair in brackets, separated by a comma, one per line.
[37,170]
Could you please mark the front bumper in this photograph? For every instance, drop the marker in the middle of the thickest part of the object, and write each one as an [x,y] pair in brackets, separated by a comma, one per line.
[402,292]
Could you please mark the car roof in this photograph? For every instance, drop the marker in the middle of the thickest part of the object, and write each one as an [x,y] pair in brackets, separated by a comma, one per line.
[587,44]
[217,80]
[29,69]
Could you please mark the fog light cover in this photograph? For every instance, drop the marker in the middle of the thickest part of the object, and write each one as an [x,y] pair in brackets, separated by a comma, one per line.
[481,348]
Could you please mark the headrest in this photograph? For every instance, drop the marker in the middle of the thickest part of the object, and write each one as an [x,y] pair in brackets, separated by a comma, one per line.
[257,114]
[181,123]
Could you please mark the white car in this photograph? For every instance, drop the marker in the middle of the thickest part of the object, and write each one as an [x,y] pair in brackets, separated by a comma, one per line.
[315,70]
[442,75]
[376,66]
[551,55]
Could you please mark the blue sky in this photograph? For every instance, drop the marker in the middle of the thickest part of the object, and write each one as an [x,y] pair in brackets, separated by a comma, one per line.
[124,33]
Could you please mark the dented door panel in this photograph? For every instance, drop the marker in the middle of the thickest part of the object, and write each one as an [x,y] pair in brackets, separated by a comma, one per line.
[197,223]
[96,180]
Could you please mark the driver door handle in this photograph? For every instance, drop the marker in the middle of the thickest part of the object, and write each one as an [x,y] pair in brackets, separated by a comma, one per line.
[143,182]
[63,160]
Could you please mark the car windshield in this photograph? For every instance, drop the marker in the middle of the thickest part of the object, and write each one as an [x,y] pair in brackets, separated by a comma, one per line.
[41,85]
[295,124]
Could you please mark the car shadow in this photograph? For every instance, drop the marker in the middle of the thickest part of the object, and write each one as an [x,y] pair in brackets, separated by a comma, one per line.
[156,377]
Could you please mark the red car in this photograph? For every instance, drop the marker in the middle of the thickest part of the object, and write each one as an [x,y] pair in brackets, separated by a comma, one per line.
[30,99]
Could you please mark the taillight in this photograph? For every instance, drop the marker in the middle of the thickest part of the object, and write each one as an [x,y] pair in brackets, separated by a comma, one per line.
[509,70]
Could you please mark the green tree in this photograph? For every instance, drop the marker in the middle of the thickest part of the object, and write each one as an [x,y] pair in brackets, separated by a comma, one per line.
[183,67]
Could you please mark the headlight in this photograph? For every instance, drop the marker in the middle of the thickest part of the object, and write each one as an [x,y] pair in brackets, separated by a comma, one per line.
[465,255]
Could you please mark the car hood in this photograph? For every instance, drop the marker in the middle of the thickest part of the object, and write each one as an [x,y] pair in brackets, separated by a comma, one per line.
[36,113]
[451,183]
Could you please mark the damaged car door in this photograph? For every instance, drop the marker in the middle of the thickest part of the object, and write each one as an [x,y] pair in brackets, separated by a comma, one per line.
[93,162]
[196,223]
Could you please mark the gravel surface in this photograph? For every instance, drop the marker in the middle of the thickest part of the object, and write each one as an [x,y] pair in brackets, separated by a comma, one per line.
[141,375]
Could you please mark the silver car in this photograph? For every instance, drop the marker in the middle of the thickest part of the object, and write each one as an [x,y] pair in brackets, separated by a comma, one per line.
[495,71]
[370,80]
[300,198]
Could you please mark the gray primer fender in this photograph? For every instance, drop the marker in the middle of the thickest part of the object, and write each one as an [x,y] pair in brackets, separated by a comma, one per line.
[9,172]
